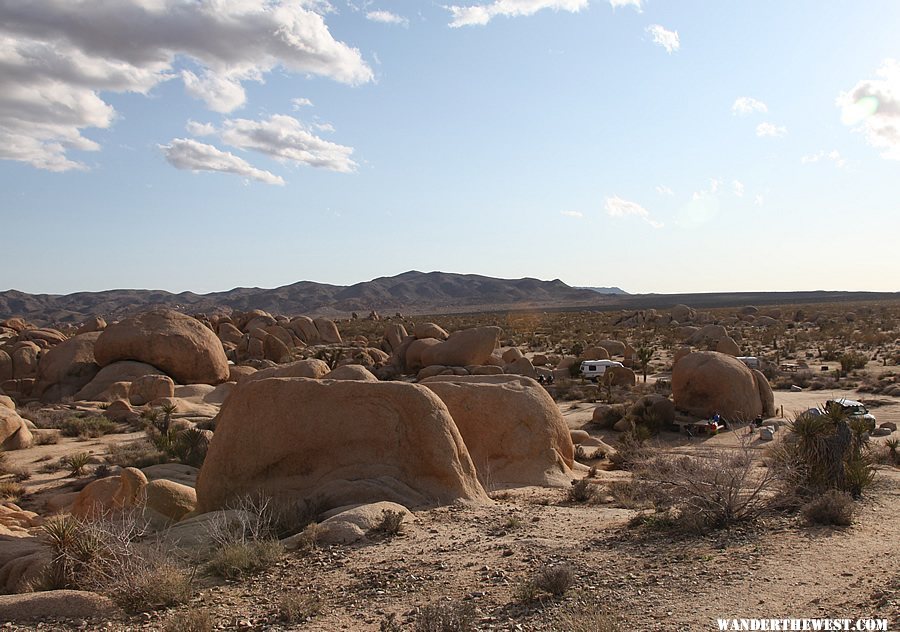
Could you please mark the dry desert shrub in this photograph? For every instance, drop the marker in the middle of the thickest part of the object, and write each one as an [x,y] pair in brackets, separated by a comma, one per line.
[450,616]
[107,555]
[139,454]
[831,508]
[11,491]
[190,621]
[391,523]
[552,579]
[709,492]
[583,617]
[581,491]
[297,607]
[238,559]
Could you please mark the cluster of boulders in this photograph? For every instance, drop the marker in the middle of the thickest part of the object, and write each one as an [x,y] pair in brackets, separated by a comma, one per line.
[258,335]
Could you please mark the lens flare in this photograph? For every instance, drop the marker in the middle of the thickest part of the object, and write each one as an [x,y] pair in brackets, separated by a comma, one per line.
[859,110]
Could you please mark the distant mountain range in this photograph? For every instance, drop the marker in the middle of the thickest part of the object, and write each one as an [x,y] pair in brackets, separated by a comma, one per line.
[409,293]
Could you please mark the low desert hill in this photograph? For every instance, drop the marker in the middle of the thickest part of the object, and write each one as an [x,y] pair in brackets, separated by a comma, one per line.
[411,292]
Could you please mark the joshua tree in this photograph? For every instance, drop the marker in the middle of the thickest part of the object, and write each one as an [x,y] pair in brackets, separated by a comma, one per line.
[644,355]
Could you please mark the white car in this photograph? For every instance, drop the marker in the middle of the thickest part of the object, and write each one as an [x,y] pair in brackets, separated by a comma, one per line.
[854,410]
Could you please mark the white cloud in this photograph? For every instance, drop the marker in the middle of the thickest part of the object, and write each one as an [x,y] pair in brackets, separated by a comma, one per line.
[58,56]
[573,214]
[874,106]
[664,190]
[617,207]
[185,153]
[324,127]
[759,200]
[834,156]
[481,14]
[770,130]
[738,188]
[748,105]
[285,138]
[300,102]
[664,37]
[615,4]
[200,129]
[386,17]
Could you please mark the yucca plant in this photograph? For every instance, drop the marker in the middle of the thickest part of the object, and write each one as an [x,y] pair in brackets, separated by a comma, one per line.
[77,462]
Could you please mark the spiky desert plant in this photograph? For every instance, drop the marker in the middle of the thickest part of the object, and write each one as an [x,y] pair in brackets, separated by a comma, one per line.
[644,355]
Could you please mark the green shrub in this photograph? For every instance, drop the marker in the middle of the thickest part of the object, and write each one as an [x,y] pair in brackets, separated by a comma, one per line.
[87,427]
[76,462]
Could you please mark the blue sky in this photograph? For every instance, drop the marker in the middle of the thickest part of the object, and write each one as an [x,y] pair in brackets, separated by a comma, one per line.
[658,146]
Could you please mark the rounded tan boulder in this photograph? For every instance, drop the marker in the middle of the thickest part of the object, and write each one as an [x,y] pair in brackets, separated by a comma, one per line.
[149,387]
[67,368]
[14,432]
[178,345]
[621,376]
[229,333]
[328,331]
[394,335]
[312,368]
[305,329]
[25,359]
[6,368]
[351,372]
[413,357]
[613,347]
[95,323]
[172,500]
[522,366]
[707,382]
[344,442]
[595,353]
[512,428]
[110,493]
[124,371]
[465,347]
[430,330]
[729,346]
[275,350]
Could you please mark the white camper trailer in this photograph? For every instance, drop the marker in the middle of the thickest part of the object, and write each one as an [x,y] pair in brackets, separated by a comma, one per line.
[592,369]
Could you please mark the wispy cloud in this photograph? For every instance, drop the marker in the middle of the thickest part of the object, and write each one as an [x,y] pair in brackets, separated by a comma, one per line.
[481,14]
[770,130]
[386,17]
[748,105]
[738,188]
[664,190]
[873,106]
[618,207]
[185,153]
[572,214]
[615,4]
[834,156]
[301,102]
[664,37]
